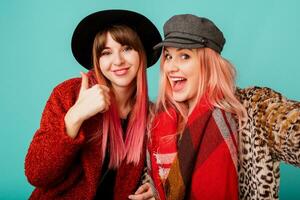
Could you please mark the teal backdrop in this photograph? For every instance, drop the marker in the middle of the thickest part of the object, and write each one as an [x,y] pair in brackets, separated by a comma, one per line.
[262,42]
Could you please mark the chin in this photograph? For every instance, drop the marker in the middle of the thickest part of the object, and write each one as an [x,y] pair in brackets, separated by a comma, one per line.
[179,97]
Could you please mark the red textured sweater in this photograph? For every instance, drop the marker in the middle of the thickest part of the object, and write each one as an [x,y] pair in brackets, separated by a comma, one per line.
[64,168]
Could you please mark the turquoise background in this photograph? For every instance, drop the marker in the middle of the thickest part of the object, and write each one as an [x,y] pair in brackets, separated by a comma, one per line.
[262,42]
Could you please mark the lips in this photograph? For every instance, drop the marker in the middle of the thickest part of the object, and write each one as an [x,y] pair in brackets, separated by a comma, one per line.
[121,71]
[178,83]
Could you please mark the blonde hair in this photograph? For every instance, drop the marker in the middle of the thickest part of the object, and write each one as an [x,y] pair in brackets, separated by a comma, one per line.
[216,81]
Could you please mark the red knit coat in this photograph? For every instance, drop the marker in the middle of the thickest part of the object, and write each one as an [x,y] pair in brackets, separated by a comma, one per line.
[64,168]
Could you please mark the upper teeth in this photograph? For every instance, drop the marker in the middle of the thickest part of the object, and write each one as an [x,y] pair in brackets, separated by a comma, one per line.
[177,79]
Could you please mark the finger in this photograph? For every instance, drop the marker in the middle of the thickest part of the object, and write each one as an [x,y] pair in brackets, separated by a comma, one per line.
[100,91]
[96,87]
[104,96]
[107,101]
[149,194]
[101,88]
[146,195]
[142,188]
[107,97]
[106,108]
[84,82]
[135,197]
[105,88]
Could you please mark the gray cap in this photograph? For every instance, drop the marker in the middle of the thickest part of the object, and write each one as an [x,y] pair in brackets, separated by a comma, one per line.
[189,31]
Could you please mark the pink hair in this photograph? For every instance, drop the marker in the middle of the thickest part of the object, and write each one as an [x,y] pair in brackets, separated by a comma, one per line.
[216,82]
[132,148]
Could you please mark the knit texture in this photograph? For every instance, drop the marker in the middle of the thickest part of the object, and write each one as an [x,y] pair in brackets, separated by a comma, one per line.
[64,168]
[204,162]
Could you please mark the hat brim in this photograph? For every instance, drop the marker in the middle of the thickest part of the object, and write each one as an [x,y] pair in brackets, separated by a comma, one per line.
[177,44]
[86,30]
[188,43]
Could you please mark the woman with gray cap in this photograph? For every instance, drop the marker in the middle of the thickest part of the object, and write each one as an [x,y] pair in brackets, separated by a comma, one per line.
[197,150]
[91,140]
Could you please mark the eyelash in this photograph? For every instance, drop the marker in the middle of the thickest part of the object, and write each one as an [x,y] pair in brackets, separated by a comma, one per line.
[183,56]
[105,53]
[168,57]
[125,49]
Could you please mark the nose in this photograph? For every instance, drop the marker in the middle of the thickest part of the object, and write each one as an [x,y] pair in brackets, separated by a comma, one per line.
[118,59]
[171,66]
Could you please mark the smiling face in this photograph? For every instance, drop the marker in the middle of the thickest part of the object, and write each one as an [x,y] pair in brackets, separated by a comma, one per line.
[119,63]
[181,67]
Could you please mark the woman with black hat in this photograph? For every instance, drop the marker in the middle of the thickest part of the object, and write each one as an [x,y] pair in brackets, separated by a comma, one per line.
[197,150]
[91,140]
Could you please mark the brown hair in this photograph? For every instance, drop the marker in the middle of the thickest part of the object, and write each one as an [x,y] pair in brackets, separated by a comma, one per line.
[132,149]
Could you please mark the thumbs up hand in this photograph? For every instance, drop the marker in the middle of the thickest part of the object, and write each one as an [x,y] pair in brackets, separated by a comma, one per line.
[90,102]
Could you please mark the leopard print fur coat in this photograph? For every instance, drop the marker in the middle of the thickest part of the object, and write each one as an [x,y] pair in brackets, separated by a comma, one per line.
[271,135]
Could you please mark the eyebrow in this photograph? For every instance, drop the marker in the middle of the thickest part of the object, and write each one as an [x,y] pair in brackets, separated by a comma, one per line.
[179,49]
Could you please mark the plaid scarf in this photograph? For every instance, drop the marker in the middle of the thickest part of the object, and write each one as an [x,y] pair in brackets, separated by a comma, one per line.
[202,162]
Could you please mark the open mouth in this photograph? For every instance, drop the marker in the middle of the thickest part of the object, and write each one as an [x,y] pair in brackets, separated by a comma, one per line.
[178,83]
[121,72]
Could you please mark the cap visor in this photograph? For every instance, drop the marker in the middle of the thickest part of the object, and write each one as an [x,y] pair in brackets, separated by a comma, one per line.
[178,45]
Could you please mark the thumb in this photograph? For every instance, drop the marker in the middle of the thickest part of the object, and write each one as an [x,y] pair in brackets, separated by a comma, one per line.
[104,87]
[84,82]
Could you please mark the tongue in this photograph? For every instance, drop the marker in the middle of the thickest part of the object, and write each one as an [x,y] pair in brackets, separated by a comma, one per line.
[179,85]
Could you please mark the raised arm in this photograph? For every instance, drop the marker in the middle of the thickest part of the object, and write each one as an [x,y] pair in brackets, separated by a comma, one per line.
[276,120]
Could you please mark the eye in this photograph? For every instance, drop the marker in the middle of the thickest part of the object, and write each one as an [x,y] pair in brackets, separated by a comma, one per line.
[127,48]
[185,56]
[168,56]
[105,53]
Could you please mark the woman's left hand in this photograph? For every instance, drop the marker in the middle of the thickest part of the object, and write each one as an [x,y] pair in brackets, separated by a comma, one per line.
[144,192]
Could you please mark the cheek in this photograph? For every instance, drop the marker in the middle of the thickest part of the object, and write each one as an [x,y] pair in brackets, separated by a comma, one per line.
[104,63]
[165,67]
[133,58]
[104,67]
[194,80]
[134,61]
[195,84]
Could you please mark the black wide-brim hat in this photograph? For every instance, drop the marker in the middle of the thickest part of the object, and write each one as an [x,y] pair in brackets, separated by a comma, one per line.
[86,30]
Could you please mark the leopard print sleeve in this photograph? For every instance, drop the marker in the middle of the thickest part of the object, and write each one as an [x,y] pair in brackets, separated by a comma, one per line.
[276,120]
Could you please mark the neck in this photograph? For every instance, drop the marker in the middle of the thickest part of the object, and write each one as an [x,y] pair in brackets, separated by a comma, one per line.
[123,100]
[191,105]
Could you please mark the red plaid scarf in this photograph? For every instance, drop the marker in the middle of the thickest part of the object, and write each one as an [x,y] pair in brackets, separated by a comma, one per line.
[202,163]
